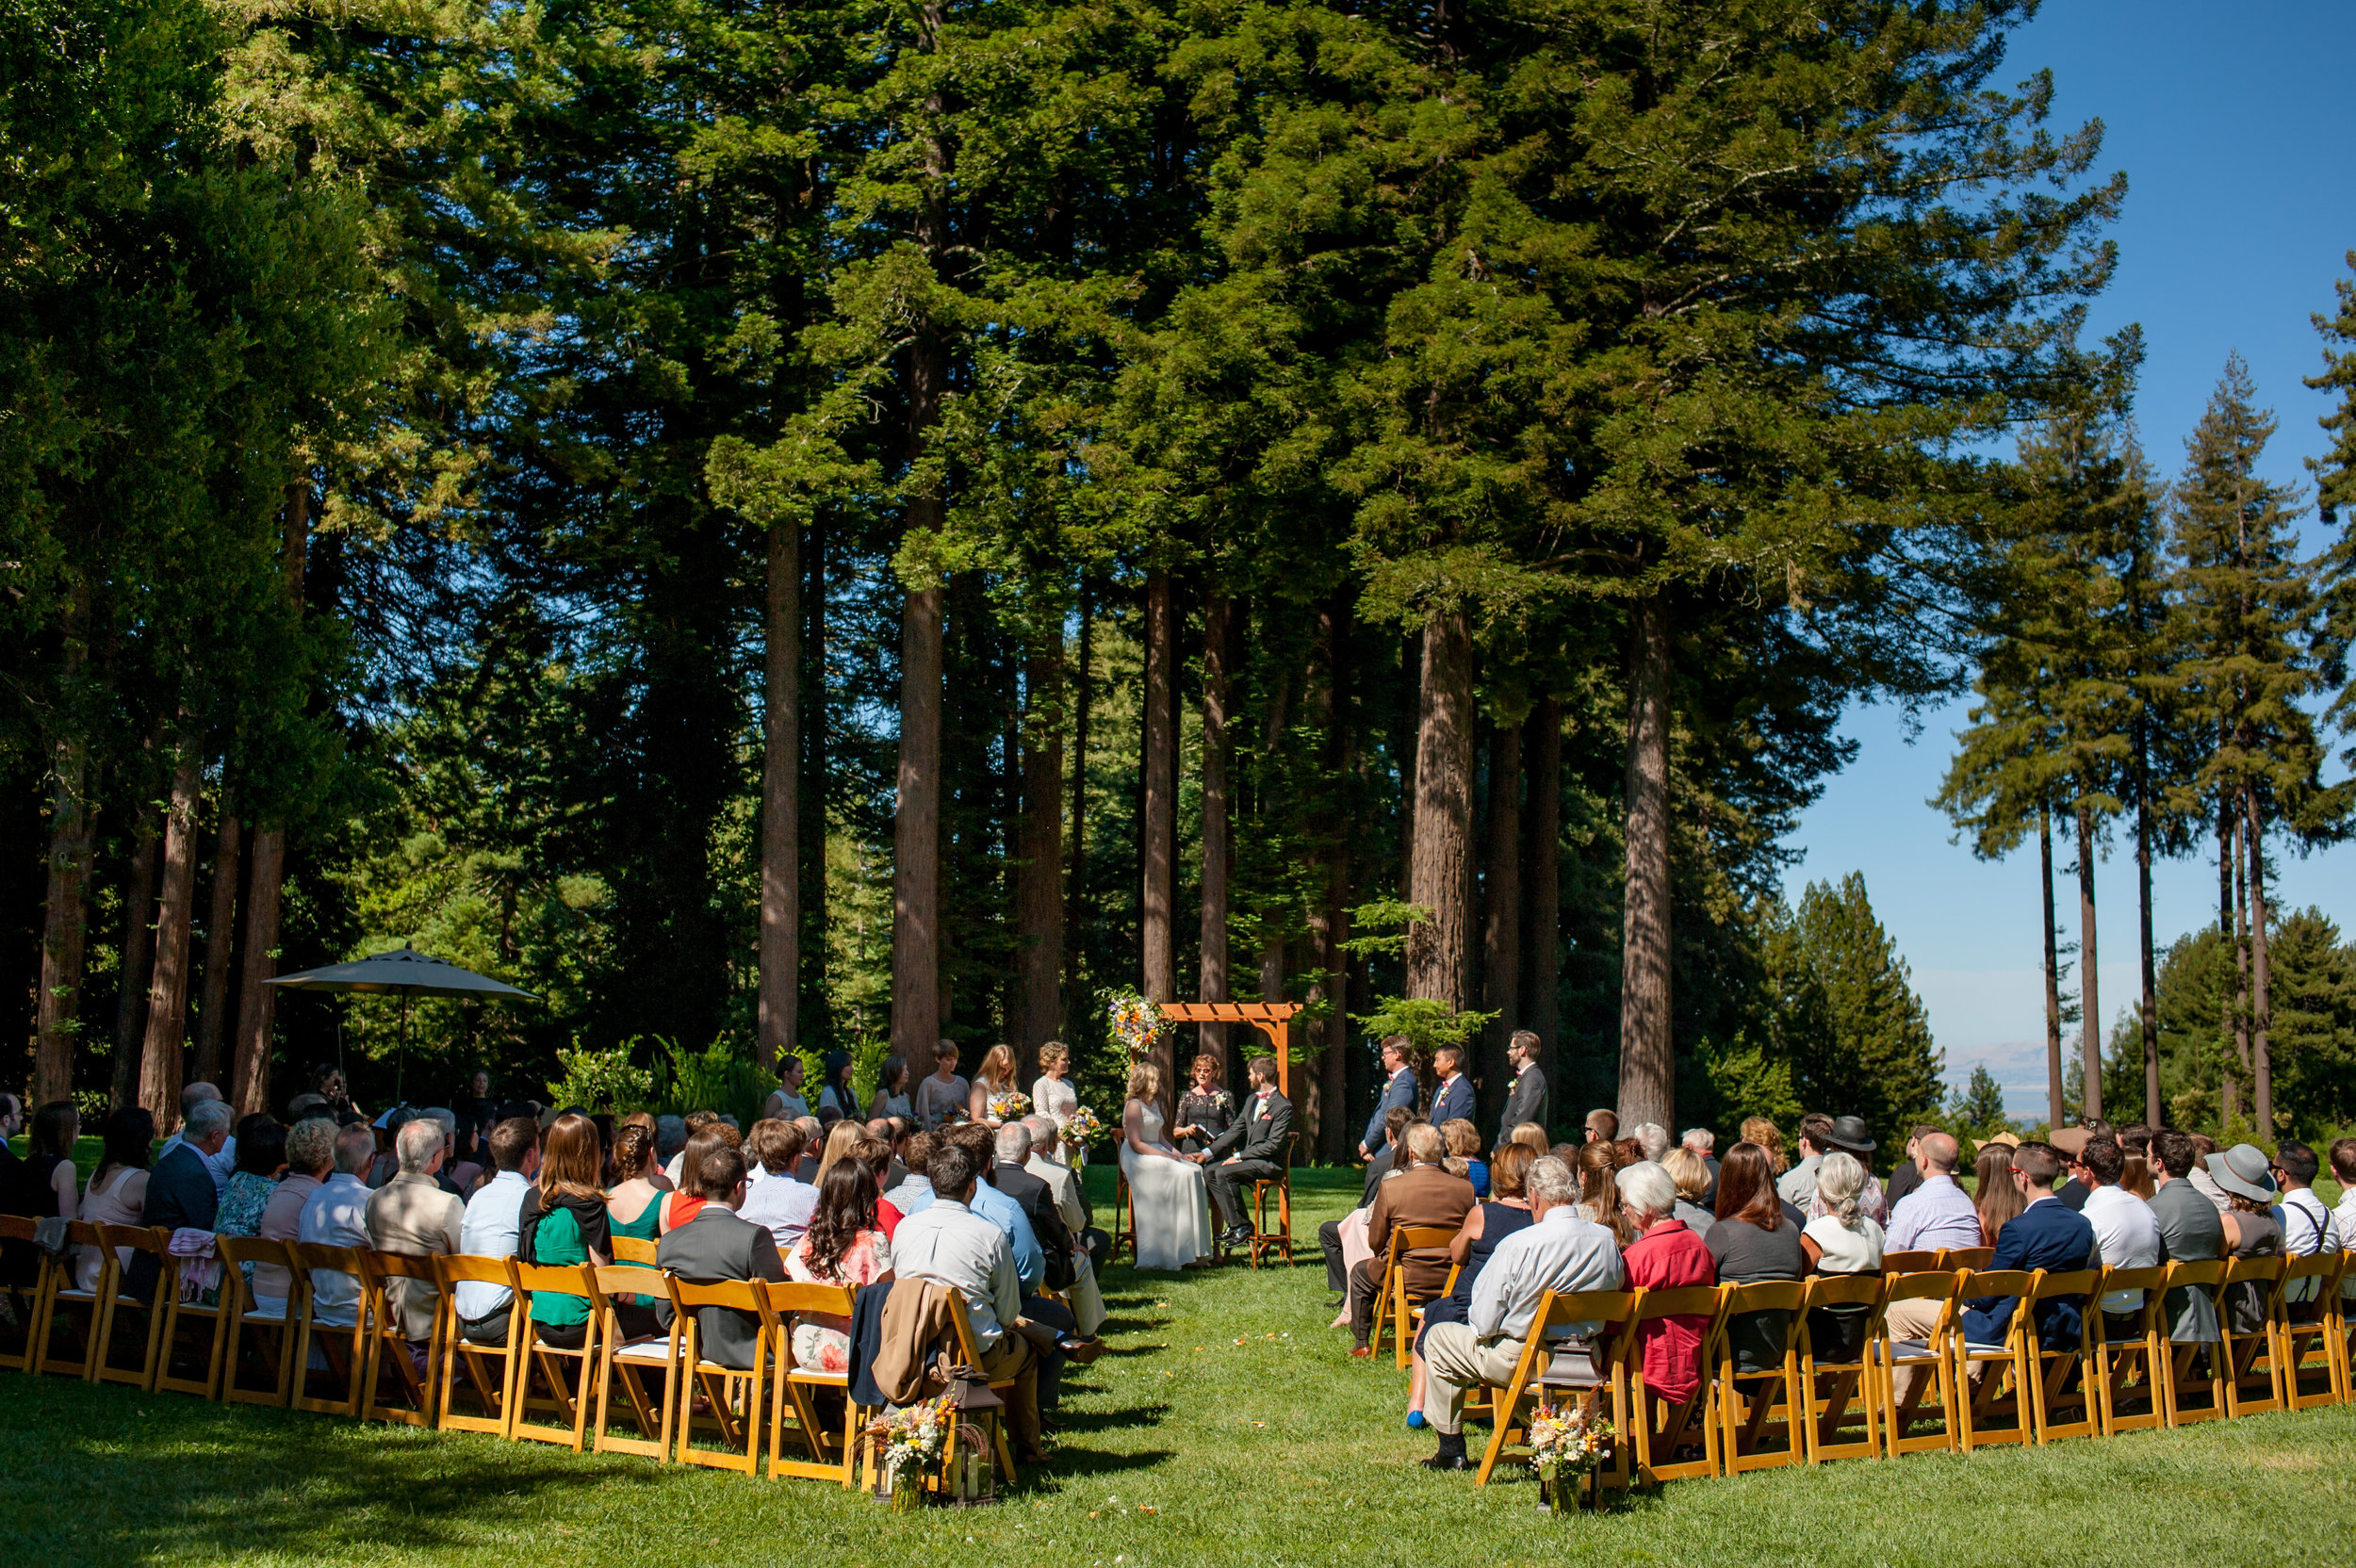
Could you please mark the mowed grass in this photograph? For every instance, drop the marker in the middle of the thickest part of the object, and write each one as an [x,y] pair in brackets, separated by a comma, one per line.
[1182,1446]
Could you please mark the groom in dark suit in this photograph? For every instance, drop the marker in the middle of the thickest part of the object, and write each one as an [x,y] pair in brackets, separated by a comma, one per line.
[1257,1138]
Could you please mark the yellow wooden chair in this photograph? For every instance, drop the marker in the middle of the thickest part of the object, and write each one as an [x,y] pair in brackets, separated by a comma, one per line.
[62,1296]
[832,1456]
[1927,1358]
[1973,1258]
[2063,1401]
[970,1353]
[490,1369]
[343,1346]
[2253,1369]
[388,1344]
[2310,1295]
[570,1371]
[212,1323]
[1832,1375]
[1748,1403]
[154,1241]
[636,1251]
[1659,1427]
[627,1362]
[2192,1364]
[18,1229]
[1394,1288]
[2120,1353]
[734,1396]
[1549,1364]
[1911,1263]
[1263,1240]
[269,1322]
[1994,1406]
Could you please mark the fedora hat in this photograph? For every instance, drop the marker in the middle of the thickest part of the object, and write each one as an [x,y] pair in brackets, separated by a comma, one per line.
[2242,1171]
[2010,1140]
[2070,1140]
[1848,1133]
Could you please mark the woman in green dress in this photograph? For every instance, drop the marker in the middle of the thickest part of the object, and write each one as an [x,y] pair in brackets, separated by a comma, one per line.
[564,1225]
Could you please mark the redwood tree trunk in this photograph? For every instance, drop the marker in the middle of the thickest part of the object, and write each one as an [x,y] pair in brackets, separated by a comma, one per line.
[1647,1053]
[916,835]
[2089,989]
[139,952]
[2239,846]
[257,1000]
[1083,700]
[2261,1018]
[167,998]
[776,1018]
[1439,951]
[1542,893]
[1039,875]
[2053,968]
[1218,754]
[1501,931]
[65,926]
[221,930]
[1325,1130]
[809,713]
[1158,840]
[2151,999]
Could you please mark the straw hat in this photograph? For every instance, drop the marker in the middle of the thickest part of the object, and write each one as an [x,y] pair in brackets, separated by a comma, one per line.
[2010,1140]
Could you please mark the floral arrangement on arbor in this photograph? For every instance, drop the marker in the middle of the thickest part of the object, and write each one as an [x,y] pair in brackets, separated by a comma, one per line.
[1566,1444]
[1134,1021]
[1009,1106]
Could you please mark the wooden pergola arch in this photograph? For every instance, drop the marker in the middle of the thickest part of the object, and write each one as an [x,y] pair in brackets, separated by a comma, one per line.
[1272,1018]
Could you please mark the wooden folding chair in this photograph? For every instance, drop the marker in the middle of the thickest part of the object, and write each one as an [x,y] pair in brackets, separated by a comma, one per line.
[343,1346]
[17,1228]
[1909,1263]
[2119,1352]
[388,1344]
[570,1393]
[1262,1238]
[636,1251]
[156,1242]
[2181,1377]
[61,1294]
[832,1455]
[490,1369]
[212,1326]
[246,1314]
[2061,1381]
[1832,1382]
[1405,1239]
[2306,1329]
[1661,1427]
[1749,1402]
[1929,1358]
[970,1353]
[2253,1370]
[1601,1372]
[1124,1218]
[627,1360]
[1973,1258]
[735,1396]
[1983,1405]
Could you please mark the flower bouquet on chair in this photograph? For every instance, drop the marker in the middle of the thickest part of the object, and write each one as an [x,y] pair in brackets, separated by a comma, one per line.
[1566,1446]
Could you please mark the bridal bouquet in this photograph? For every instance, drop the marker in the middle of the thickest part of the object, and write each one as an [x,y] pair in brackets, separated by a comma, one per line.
[1565,1445]
[1009,1106]
[1082,1127]
[1134,1021]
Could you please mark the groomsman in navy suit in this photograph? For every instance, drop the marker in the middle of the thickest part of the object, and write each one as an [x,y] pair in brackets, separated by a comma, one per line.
[1454,1096]
[1401,1090]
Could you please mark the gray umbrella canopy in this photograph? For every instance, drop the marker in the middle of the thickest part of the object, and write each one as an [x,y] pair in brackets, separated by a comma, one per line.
[404,973]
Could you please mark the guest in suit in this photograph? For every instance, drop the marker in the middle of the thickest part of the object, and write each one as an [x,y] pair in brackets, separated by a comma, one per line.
[222,1165]
[1526,1099]
[180,1190]
[1253,1149]
[716,1246]
[2191,1231]
[1453,1100]
[2047,1234]
[1396,1121]
[1424,1194]
[1402,1089]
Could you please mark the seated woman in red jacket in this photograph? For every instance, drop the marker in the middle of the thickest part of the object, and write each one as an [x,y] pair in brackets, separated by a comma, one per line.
[1665,1255]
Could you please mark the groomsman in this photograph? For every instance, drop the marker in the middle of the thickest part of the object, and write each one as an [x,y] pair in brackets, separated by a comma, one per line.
[1257,1138]
[1453,1098]
[1526,1100]
[1401,1090]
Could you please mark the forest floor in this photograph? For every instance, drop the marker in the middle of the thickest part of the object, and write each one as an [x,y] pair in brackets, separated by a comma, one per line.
[1227,1425]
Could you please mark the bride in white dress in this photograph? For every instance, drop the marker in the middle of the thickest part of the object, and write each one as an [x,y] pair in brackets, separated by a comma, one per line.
[1165,1187]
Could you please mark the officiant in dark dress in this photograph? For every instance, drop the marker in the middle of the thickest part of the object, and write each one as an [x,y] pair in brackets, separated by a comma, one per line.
[1206,1109]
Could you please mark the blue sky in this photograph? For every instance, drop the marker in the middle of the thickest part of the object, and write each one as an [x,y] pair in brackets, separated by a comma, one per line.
[2233,124]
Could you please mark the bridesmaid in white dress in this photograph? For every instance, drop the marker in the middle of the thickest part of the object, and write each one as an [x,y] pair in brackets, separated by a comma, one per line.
[1167,1187]
[1053,1096]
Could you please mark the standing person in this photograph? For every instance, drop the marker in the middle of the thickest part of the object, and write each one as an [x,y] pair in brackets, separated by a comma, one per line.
[1526,1099]
[1452,1101]
[493,1226]
[786,1098]
[1053,1095]
[892,1092]
[1754,1240]
[565,1222]
[1797,1185]
[1165,1187]
[1938,1213]
[838,1100]
[2191,1231]
[2125,1233]
[1206,1109]
[1400,1089]
[1250,1150]
[993,1079]
[941,1096]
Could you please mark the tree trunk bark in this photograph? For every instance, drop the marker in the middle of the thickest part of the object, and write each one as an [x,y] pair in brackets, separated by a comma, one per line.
[2053,969]
[776,1015]
[65,926]
[2150,998]
[2240,848]
[1076,889]
[2262,1018]
[1541,893]
[160,1063]
[1039,878]
[1405,738]
[1439,951]
[1334,1062]
[1217,753]
[1501,931]
[138,944]
[257,1000]
[1647,1053]
[916,835]
[1158,842]
[2090,987]
[221,930]
[810,945]
[1325,1091]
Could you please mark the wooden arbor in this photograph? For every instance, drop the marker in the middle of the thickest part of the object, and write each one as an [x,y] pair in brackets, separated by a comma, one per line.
[1272,1018]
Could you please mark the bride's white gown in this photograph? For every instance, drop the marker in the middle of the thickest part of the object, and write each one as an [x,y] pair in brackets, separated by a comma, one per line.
[1172,1206]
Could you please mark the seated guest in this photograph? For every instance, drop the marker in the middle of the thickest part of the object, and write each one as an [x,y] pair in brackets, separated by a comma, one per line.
[1463,1154]
[1652,1141]
[223,1162]
[1797,1185]
[2069,1142]
[2191,1231]
[633,1203]
[337,1216]
[1338,1265]
[1425,1194]
[1909,1172]
[1702,1142]
[1847,1136]
[1842,1240]
[2252,1230]
[310,1158]
[117,1191]
[947,1244]
[682,1205]
[39,1186]
[1487,1225]
[2045,1234]
[1998,1195]
[891,1132]
[1055,1330]
[1759,1130]
[1597,1165]
[781,1199]
[980,1142]
[2343,1215]
[693,1123]
[494,1223]
[1561,1250]
[1692,1180]
[1667,1255]
[2125,1235]
[914,1195]
[2205,1184]
[813,1145]
[565,1223]
[261,1157]
[411,1214]
[841,1245]
[1011,1176]
[670,1137]
[1534,1137]
[716,1246]
[1071,1204]
[1937,1212]
[181,1192]
[836,1142]
[1603,1126]
[1754,1239]
[2308,1228]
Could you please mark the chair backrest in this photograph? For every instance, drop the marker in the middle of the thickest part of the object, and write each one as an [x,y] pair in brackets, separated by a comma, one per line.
[633,1250]
[1908,1262]
[795,1296]
[1559,1308]
[1845,1290]
[2204,1274]
[2077,1282]
[1978,1282]
[1419,1238]
[403,1265]
[2316,1265]
[1930,1285]
[236,1251]
[744,1295]
[969,1350]
[471,1268]
[1768,1295]
[15,1227]
[151,1239]
[607,1280]
[1966,1257]
[550,1278]
[1679,1302]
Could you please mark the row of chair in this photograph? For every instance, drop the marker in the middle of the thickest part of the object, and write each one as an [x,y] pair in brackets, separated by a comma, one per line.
[1829,1389]
[298,1351]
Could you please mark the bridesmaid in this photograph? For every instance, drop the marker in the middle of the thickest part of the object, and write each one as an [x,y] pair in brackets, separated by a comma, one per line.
[994,1077]
[943,1093]
[892,1092]
[1053,1096]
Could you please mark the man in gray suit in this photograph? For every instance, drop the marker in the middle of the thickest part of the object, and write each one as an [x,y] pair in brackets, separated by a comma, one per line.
[716,1246]
[1526,1100]
[2191,1231]
[1251,1149]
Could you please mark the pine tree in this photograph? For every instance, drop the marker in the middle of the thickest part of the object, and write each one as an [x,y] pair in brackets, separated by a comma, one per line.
[1979,1105]
[1860,1041]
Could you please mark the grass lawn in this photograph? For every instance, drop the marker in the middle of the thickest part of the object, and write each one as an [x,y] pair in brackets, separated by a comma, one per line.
[1181,1446]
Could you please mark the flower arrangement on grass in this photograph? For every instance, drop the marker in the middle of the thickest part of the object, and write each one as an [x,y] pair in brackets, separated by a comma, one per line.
[1009,1106]
[912,1439]
[1134,1022]
[1566,1444]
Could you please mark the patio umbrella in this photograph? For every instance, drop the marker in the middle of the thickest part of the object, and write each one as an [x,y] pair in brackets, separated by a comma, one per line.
[404,973]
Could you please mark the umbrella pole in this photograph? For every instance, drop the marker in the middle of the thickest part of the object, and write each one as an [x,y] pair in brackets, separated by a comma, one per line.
[400,1051]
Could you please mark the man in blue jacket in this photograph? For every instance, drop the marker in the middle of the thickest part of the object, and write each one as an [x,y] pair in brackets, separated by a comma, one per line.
[2046,1235]
[1453,1098]
[1401,1090]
